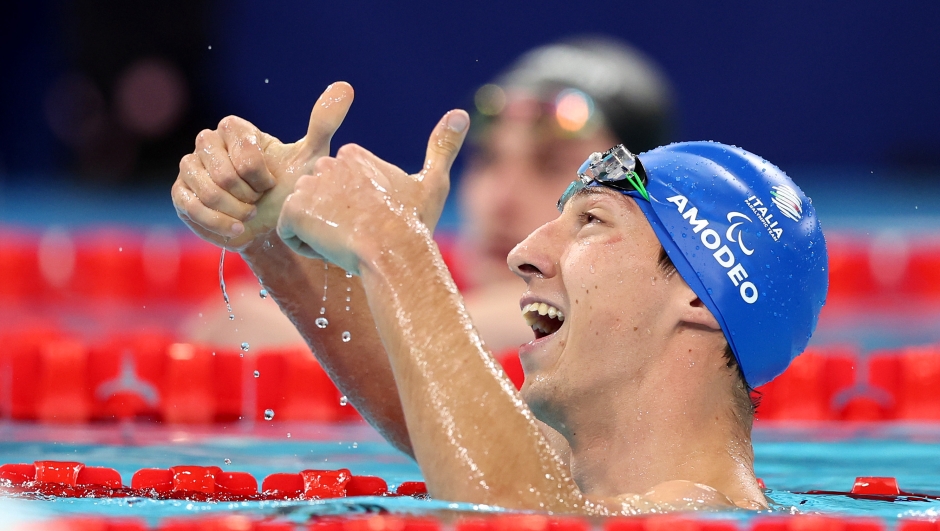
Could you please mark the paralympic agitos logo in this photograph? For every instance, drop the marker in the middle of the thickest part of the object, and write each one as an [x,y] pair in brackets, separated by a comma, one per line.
[722,254]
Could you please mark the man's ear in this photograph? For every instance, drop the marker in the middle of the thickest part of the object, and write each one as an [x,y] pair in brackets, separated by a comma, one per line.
[694,311]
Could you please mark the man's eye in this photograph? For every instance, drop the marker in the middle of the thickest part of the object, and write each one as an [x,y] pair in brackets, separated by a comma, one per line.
[587,217]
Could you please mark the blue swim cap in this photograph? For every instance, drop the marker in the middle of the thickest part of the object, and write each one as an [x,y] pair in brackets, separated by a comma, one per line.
[746,240]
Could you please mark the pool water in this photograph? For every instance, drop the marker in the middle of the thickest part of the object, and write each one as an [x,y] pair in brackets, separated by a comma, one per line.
[791,459]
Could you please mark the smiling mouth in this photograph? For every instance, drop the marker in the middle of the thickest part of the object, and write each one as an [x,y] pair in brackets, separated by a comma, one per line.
[544,319]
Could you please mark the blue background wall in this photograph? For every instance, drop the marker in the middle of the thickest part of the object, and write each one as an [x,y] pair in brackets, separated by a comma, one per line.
[802,83]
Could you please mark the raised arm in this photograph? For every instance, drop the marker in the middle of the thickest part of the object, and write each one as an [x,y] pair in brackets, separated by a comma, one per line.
[473,436]
[230,192]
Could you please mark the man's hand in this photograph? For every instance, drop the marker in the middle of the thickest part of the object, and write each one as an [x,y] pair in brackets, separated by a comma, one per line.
[231,188]
[352,202]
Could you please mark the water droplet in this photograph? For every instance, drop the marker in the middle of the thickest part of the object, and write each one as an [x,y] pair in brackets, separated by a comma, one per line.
[346,337]
[321,322]
[343,400]
[257,374]
[268,414]
[245,347]
[288,435]
[322,310]
[347,308]
[347,299]
[348,274]
[265,80]
[349,288]
[263,294]
[228,461]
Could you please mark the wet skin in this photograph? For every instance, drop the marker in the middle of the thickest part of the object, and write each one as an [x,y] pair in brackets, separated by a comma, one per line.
[374,220]
[518,169]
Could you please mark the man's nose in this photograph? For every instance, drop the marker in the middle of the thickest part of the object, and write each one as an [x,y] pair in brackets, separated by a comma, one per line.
[535,256]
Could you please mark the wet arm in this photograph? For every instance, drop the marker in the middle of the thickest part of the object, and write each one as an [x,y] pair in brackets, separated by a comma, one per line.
[359,368]
[473,436]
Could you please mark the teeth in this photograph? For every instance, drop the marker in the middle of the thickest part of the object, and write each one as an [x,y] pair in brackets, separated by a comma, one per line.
[530,312]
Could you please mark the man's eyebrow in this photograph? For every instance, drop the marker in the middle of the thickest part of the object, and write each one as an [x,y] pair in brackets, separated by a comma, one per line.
[591,190]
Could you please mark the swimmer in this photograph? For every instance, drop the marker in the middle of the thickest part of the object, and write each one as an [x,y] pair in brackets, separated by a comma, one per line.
[533,122]
[669,283]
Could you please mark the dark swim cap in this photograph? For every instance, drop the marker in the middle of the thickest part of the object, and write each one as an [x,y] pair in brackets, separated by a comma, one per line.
[746,240]
[631,93]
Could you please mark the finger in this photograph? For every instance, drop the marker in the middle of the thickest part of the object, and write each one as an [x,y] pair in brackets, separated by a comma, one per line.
[376,168]
[212,152]
[327,115]
[190,209]
[197,179]
[245,150]
[443,147]
[292,215]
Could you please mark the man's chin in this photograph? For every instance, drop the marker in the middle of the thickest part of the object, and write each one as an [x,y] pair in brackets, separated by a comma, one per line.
[539,394]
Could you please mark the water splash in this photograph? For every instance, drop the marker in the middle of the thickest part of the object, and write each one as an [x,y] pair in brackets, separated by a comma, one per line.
[228,304]
[346,337]
[321,322]
[268,414]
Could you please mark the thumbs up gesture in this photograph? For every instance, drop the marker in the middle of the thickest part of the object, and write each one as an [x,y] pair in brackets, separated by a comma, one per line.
[231,188]
[354,205]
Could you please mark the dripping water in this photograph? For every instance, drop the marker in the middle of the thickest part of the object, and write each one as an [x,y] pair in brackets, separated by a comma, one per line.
[228,304]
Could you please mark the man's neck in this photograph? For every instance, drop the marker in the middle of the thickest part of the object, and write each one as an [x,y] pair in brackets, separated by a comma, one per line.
[668,427]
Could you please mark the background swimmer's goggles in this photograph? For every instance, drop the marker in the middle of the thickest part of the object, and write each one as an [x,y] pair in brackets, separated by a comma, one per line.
[615,168]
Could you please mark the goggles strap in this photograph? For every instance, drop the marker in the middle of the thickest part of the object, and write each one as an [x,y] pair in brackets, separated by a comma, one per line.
[638,184]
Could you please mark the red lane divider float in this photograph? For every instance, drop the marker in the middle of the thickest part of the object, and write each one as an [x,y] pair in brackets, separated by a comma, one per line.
[879,488]
[499,522]
[59,379]
[198,483]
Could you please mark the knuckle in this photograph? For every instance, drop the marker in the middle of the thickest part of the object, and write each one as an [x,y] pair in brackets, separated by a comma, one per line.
[202,139]
[210,196]
[226,179]
[349,150]
[445,145]
[324,163]
[228,122]
[187,161]
[245,164]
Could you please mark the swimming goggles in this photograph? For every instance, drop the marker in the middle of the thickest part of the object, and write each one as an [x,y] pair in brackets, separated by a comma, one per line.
[614,168]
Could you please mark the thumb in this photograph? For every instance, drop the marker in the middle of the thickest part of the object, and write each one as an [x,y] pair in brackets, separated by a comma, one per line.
[443,146]
[327,115]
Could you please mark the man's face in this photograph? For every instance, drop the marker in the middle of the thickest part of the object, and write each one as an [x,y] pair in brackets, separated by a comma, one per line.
[512,182]
[598,263]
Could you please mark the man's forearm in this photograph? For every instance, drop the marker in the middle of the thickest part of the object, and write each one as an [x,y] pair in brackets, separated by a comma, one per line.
[473,436]
[359,367]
